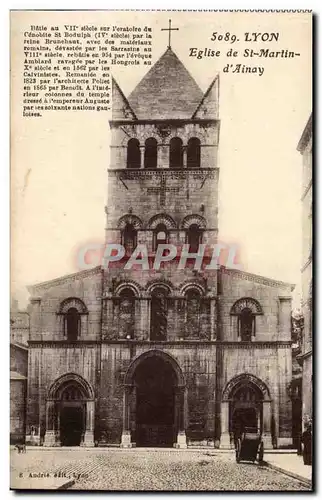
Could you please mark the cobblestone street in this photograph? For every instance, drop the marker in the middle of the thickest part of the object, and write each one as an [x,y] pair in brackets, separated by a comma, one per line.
[141,470]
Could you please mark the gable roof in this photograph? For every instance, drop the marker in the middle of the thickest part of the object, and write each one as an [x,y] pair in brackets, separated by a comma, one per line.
[256,278]
[167,91]
[208,106]
[121,108]
[38,287]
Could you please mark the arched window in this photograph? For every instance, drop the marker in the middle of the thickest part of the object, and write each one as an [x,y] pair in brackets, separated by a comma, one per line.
[72,324]
[246,309]
[159,313]
[193,153]
[129,238]
[72,314]
[176,153]
[194,237]
[193,308]
[133,154]
[127,314]
[246,325]
[160,236]
[151,153]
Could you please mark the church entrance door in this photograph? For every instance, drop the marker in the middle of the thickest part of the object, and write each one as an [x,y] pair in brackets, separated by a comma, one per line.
[155,382]
[246,409]
[244,417]
[70,412]
[71,424]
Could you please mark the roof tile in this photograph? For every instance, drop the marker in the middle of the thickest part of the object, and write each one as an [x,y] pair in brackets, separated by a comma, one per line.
[167,91]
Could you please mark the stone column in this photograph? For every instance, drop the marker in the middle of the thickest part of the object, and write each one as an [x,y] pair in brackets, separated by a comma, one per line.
[83,326]
[284,318]
[258,420]
[224,416]
[57,423]
[89,431]
[213,319]
[50,435]
[126,433]
[181,413]
[145,317]
[107,315]
[35,318]
[266,430]
[132,414]
[163,155]
[184,154]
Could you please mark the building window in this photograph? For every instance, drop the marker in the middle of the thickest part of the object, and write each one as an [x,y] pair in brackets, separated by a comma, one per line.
[159,313]
[160,236]
[176,153]
[151,153]
[246,325]
[193,153]
[245,311]
[72,324]
[127,314]
[129,238]
[133,154]
[194,238]
[193,307]
[72,315]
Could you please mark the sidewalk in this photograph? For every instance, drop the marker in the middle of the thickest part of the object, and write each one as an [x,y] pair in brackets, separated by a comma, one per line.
[290,464]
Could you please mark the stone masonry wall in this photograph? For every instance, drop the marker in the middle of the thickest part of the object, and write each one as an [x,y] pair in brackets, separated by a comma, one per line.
[198,364]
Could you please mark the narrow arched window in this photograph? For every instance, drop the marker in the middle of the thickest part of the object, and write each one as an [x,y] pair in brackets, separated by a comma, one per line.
[194,237]
[246,325]
[129,238]
[72,324]
[151,153]
[133,154]
[127,314]
[193,306]
[176,153]
[160,236]
[159,313]
[193,153]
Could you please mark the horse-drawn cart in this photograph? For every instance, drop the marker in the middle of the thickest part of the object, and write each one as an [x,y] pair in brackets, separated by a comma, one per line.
[249,446]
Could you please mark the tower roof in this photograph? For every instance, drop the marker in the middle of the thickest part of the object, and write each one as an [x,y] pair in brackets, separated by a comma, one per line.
[166,91]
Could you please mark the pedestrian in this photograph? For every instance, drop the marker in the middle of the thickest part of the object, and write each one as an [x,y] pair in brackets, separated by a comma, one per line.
[307,445]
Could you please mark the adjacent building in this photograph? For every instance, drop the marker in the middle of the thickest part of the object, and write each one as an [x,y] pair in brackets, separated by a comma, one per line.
[305,358]
[19,336]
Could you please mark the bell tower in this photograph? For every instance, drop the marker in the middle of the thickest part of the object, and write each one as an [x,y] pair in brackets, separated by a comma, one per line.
[163,173]
[162,189]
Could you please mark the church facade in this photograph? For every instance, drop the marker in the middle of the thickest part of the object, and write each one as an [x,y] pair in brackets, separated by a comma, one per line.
[160,357]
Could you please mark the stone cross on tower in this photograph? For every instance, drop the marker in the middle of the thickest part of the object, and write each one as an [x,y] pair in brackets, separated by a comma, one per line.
[169,29]
[162,190]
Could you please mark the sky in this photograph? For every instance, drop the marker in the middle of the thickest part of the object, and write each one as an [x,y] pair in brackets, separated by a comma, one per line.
[59,162]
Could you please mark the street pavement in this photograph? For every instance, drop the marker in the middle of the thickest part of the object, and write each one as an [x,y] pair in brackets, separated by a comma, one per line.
[290,463]
[143,470]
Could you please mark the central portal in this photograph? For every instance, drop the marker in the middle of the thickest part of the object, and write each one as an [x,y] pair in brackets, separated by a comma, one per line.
[71,425]
[155,382]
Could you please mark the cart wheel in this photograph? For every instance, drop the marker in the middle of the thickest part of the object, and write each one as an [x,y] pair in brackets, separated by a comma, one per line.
[238,447]
[261,452]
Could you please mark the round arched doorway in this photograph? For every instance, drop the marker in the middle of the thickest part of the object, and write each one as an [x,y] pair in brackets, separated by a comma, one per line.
[154,404]
[245,404]
[70,412]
